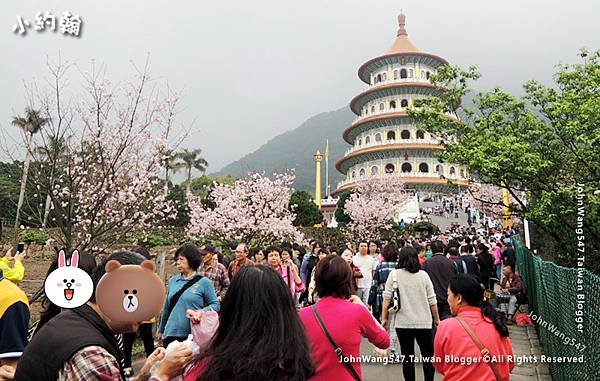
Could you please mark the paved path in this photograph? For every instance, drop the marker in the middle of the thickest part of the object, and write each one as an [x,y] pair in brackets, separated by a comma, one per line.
[443,222]
[524,341]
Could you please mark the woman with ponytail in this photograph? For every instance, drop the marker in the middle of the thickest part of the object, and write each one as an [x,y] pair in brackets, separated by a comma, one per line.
[474,345]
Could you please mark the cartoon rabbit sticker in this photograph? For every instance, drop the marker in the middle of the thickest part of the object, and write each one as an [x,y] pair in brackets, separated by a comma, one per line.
[68,286]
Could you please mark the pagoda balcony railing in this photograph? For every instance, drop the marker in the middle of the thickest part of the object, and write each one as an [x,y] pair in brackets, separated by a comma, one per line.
[401,175]
[430,141]
[386,111]
[399,80]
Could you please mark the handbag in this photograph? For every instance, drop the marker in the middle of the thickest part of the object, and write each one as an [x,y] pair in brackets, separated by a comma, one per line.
[395,304]
[204,331]
[336,348]
[484,351]
[373,291]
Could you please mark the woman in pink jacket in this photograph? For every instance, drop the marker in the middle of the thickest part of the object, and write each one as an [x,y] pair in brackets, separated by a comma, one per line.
[461,343]
[344,318]
[287,271]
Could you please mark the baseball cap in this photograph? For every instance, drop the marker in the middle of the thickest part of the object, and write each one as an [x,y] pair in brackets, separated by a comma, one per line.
[207,249]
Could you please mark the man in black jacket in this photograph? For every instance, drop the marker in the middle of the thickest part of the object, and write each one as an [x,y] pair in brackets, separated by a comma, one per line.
[467,263]
[80,344]
[440,269]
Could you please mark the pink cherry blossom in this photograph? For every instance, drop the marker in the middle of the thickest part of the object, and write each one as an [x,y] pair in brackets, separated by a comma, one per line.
[374,204]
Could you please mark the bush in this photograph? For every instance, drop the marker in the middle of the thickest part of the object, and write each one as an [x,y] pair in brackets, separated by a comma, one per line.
[307,212]
[340,214]
[423,229]
[152,240]
[30,236]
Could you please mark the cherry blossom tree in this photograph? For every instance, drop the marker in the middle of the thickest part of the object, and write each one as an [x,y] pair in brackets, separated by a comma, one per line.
[104,183]
[485,198]
[253,210]
[374,204]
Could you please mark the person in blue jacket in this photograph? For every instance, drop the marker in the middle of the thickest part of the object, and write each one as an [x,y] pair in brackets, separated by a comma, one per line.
[199,294]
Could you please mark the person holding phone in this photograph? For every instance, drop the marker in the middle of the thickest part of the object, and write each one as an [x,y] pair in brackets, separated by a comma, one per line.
[16,272]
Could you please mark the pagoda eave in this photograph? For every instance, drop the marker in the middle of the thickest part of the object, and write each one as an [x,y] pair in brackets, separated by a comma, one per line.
[414,180]
[421,87]
[389,57]
[386,148]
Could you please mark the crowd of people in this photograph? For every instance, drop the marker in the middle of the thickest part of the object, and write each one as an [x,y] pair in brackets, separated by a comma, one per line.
[285,312]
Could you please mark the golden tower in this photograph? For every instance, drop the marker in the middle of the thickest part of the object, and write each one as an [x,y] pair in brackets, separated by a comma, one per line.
[318,159]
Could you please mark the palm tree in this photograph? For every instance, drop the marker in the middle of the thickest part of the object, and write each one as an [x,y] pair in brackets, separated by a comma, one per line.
[191,159]
[31,123]
[53,152]
[169,161]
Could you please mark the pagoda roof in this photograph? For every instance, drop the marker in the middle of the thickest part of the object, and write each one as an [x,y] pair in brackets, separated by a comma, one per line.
[402,44]
[402,47]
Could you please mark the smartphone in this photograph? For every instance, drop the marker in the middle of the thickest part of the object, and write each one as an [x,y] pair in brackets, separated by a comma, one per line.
[19,248]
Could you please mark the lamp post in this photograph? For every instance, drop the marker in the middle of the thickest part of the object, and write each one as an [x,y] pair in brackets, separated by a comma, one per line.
[318,158]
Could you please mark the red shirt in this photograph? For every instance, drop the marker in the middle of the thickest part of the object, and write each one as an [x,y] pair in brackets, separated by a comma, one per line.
[452,340]
[347,323]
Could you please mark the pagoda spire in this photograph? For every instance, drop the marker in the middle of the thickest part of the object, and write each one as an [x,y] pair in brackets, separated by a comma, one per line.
[401,24]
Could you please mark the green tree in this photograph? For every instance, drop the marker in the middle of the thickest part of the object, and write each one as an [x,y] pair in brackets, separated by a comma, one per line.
[544,148]
[31,123]
[190,159]
[307,212]
[177,196]
[340,215]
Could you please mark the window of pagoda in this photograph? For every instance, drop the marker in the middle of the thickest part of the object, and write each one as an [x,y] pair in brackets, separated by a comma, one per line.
[395,74]
[405,134]
[360,142]
[373,109]
[378,78]
[378,137]
[410,73]
[391,135]
[462,173]
[439,169]
[374,170]
[406,167]
[389,168]
[403,73]
[422,74]
[427,74]
[367,140]
[423,167]
[404,103]
[384,76]
[381,106]
[362,172]
[353,174]
[393,105]
[452,171]
[420,134]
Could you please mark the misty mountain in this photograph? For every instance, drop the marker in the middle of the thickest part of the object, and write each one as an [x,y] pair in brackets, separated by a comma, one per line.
[295,149]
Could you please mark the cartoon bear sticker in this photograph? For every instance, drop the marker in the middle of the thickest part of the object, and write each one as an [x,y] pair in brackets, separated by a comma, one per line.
[68,286]
[130,293]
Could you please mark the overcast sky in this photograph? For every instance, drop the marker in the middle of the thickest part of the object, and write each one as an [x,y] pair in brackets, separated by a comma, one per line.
[252,69]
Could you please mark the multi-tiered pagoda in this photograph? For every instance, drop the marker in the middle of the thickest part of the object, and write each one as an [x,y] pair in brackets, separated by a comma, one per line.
[384,139]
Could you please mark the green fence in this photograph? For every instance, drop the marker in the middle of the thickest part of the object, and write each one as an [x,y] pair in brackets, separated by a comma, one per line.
[555,295]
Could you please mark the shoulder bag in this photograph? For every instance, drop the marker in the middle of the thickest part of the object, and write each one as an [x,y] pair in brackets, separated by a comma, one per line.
[177,295]
[484,351]
[336,348]
[395,301]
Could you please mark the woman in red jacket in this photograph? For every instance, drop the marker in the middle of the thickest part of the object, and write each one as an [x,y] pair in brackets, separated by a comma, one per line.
[459,341]
[344,318]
